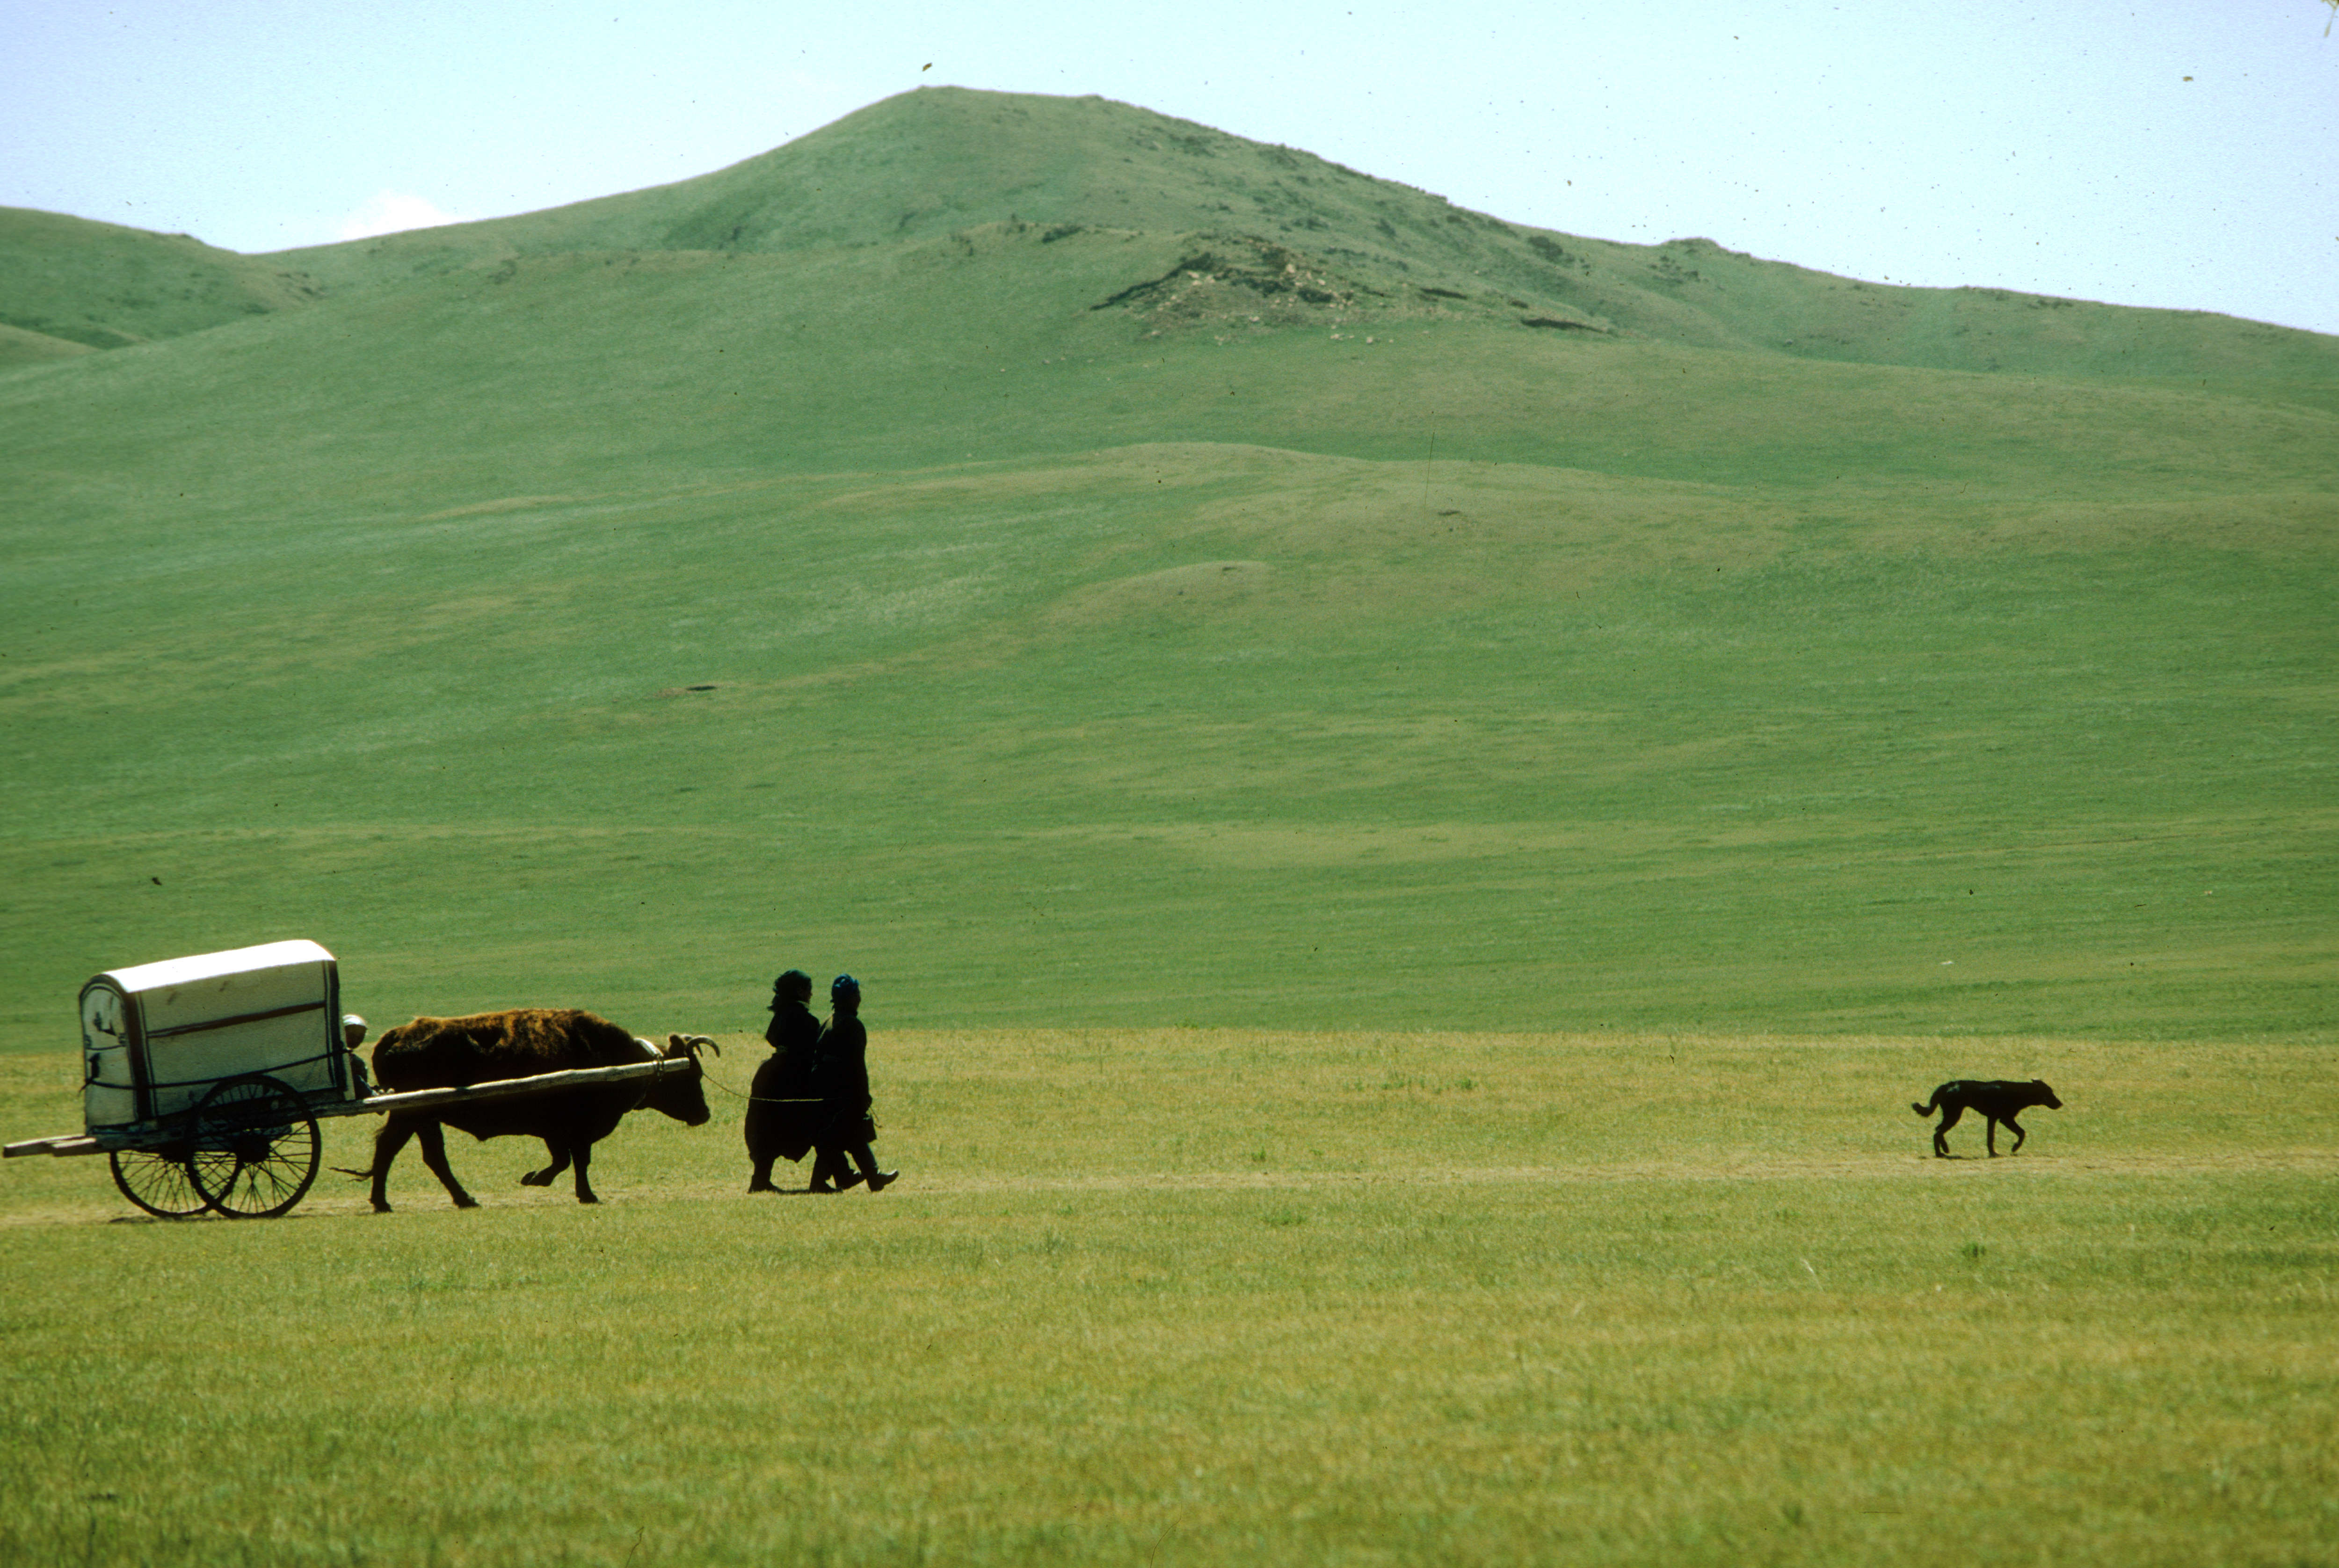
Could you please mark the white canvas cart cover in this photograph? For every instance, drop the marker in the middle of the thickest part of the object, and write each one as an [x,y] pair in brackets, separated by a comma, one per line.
[156,1037]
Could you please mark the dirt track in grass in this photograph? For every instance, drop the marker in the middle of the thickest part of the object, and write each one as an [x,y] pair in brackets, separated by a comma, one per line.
[103,1207]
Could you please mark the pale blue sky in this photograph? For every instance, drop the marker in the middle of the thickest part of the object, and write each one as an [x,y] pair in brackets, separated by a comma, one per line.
[2179,154]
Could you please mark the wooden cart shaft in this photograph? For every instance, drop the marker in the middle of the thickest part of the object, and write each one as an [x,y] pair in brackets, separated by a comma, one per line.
[509,1087]
[411,1100]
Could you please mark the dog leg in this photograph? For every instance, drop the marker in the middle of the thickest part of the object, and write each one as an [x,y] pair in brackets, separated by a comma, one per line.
[2019,1134]
[1990,1136]
[1949,1115]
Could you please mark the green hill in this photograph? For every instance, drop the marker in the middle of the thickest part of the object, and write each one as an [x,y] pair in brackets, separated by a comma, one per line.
[937,161]
[1064,563]
[19,347]
[104,286]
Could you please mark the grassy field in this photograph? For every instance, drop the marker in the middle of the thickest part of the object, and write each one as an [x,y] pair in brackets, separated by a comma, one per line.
[1413,799]
[1193,1296]
[1192,735]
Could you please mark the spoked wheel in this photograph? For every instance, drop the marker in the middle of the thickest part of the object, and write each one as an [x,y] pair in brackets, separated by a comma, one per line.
[158,1180]
[255,1149]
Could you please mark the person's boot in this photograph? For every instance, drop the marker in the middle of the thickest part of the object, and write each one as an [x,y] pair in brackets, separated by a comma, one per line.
[849,1180]
[879,1180]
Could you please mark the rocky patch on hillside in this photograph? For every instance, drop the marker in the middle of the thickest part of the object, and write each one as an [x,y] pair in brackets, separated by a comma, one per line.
[1242,282]
[1242,279]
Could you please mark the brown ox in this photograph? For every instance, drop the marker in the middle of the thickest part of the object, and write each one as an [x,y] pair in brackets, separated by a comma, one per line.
[446,1052]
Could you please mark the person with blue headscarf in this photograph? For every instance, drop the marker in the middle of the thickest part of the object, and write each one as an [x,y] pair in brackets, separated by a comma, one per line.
[842,1075]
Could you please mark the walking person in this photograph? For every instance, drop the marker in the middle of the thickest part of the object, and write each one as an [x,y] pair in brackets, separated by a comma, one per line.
[782,1119]
[844,1075]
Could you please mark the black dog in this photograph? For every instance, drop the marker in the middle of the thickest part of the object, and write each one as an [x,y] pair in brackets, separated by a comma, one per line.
[1997,1100]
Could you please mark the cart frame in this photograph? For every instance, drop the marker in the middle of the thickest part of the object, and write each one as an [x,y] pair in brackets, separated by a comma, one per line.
[250,1150]
[237,1135]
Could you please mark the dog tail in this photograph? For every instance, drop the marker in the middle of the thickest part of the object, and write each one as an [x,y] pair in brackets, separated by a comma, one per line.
[1926,1109]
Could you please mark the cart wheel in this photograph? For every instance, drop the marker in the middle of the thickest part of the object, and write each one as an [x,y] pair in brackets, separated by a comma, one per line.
[255,1151]
[158,1181]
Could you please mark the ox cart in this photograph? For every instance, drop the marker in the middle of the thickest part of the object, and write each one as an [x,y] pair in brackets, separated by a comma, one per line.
[204,1080]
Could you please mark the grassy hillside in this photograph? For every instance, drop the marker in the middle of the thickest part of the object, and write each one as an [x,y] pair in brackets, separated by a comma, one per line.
[19,347]
[939,161]
[104,286]
[995,570]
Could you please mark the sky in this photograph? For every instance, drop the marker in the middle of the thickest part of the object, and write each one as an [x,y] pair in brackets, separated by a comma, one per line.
[2173,154]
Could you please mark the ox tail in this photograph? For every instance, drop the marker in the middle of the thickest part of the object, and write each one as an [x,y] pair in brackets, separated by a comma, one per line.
[365,1175]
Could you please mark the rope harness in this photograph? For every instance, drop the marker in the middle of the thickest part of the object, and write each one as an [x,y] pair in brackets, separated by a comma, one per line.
[758,1098]
[771,1099]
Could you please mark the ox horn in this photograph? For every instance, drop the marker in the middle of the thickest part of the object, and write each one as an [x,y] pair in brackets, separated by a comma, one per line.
[691,1043]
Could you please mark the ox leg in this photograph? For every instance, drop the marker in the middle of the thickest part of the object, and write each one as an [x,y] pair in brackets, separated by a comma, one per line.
[583,1154]
[434,1154]
[550,1173]
[395,1131]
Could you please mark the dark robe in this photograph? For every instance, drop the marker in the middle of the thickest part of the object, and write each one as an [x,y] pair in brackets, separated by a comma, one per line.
[777,1129]
[843,1079]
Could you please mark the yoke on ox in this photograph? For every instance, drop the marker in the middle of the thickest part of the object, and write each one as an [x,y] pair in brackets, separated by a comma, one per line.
[438,1053]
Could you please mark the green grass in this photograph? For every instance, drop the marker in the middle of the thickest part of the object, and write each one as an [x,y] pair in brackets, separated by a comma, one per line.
[946,164]
[1769,697]
[1192,735]
[1186,1296]
[1219,657]
[71,282]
